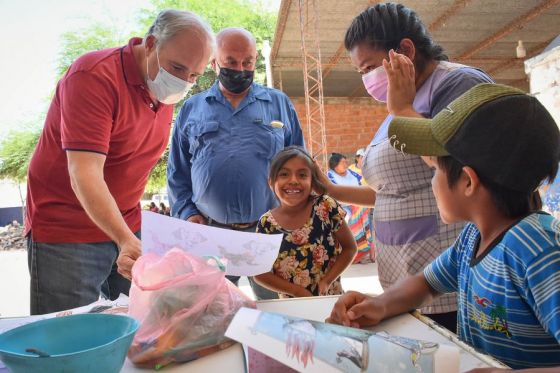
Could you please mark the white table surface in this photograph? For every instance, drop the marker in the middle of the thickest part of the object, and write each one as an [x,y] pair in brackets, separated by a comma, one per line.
[231,359]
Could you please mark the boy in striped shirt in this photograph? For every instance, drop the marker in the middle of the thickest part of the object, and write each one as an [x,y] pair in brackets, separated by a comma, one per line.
[490,149]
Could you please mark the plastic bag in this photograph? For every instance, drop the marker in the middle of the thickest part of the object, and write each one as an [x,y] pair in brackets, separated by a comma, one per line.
[184,305]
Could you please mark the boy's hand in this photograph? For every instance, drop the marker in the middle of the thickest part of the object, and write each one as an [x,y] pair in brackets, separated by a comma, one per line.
[357,310]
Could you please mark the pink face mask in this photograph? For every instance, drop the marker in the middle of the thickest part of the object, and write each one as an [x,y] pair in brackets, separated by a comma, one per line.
[376,83]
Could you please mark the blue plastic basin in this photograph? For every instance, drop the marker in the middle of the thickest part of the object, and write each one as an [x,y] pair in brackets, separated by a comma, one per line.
[76,343]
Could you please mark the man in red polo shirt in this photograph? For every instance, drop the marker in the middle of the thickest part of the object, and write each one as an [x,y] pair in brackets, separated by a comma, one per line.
[107,126]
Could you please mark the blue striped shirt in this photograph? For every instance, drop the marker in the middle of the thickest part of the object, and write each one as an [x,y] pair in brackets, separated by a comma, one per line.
[509,297]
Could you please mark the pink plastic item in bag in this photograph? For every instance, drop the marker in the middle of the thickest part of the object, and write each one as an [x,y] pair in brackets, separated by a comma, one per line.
[184,305]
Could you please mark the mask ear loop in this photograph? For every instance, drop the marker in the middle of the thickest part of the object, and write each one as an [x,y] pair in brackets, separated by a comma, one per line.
[157,56]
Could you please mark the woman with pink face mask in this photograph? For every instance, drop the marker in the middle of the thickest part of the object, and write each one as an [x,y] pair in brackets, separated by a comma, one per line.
[402,66]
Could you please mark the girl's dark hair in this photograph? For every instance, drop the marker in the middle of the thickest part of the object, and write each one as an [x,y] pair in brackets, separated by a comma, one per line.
[384,25]
[511,203]
[288,153]
[335,159]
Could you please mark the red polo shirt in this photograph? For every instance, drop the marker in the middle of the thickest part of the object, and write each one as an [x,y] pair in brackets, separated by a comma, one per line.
[101,105]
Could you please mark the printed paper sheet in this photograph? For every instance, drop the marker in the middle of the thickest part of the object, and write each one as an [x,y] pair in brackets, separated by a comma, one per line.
[245,254]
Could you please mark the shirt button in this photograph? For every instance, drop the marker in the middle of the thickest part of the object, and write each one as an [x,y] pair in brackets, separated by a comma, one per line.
[151,106]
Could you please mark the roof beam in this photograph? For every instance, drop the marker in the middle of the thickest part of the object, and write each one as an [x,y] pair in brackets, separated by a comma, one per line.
[357,90]
[506,64]
[510,27]
[336,57]
[280,27]
[440,21]
[486,60]
[518,83]
[334,60]
[296,62]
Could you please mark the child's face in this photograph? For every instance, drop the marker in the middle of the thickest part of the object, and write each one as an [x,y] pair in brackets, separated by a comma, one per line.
[448,199]
[293,182]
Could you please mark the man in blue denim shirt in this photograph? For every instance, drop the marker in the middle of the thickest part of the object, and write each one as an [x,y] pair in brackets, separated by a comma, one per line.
[223,142]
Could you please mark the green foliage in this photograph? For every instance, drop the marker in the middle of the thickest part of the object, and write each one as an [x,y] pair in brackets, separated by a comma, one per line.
[95,37]
[158,176]
[250,15]
[17,148]
[15,152]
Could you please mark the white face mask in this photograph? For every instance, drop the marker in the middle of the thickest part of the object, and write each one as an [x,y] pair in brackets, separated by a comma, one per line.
[167,88]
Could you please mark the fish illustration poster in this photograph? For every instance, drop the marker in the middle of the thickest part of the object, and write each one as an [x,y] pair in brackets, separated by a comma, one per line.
[245,254]
[312,346]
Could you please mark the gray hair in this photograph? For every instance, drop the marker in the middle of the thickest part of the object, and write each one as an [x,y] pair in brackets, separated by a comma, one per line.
[170,21]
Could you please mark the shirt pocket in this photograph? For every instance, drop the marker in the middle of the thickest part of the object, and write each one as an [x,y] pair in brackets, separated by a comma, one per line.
[272,140]
[202,137]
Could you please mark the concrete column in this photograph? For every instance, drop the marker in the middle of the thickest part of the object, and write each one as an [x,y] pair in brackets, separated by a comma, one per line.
[544,79]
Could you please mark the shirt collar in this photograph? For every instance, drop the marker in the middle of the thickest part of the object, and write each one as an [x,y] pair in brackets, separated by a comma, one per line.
[255,92]
[130,66]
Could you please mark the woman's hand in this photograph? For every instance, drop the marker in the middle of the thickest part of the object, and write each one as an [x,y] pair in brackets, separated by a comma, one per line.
[402,84]
[322,177]
[324,286]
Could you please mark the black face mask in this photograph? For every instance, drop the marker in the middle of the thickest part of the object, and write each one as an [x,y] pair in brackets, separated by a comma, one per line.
[234,80]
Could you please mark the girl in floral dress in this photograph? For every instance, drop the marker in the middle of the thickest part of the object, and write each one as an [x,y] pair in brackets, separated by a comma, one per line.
[317,245]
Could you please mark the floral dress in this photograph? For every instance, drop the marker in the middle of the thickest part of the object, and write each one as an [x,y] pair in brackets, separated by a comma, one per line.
[307,253]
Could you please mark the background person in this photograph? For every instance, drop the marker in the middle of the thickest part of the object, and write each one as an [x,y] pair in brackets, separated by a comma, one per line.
[357,217]
[358,162]
[369,256]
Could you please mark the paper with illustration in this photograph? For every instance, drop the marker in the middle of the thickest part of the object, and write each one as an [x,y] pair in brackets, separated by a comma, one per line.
[245,254]
[312,346]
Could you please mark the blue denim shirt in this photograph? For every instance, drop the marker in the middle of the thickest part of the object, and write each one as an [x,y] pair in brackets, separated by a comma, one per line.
[220,156]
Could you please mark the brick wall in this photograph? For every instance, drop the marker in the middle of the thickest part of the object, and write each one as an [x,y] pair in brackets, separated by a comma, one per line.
[350,122]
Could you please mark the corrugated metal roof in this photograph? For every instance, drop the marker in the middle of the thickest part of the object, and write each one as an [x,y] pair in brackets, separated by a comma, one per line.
[481,33]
